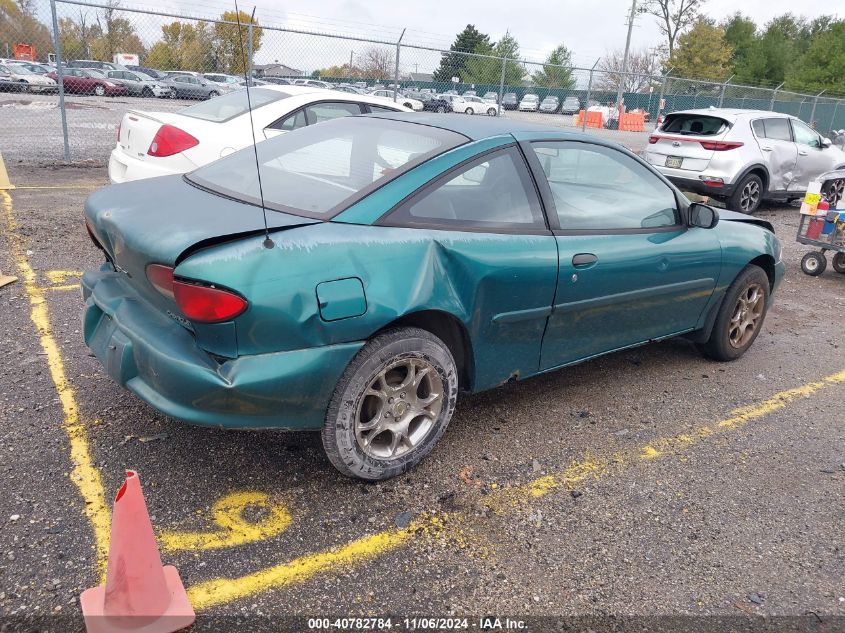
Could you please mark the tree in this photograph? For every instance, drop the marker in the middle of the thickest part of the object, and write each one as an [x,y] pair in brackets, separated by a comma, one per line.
[377,63]
[740,34]
[452,64]
[17,25]
[342,71]
[673,17]
[702,52]
[231,46]
[771,54]
[820,67]
[488,70]
[184,46]
[643,65]
[557,71]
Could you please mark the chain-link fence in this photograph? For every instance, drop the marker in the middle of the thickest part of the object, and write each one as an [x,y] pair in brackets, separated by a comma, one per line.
[117,57]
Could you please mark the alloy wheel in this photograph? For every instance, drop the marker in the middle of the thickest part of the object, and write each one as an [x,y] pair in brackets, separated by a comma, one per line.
[747,315]
[399,408]
[750,196]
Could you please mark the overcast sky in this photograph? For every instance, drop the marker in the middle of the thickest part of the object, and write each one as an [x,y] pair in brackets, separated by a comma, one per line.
[589,28]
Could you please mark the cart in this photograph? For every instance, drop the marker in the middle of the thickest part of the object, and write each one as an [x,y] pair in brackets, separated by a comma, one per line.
[826,236]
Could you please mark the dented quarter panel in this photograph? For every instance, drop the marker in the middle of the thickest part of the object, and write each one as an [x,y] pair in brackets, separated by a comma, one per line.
[500,287]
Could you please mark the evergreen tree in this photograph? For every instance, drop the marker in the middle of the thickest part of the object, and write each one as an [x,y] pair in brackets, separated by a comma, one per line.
[453,64]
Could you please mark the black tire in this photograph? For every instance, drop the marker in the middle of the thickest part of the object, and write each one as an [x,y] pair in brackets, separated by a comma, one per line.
[213,94]
[491,111]
[813,263]
[441,109]
[99,90]
[469,111]
[24,86]
[146,92]
[833,191]
[722,346]
[747,196]
[839,263]
[397,346]
[173,94]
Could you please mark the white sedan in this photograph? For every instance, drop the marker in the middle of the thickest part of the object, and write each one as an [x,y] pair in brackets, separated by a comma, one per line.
[468,104]
[159,143]
[414,104]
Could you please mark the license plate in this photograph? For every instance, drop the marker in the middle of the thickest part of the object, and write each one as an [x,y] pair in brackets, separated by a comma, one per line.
[674,161]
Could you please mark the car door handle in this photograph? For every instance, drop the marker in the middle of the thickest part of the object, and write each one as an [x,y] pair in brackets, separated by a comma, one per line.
[802,153]
[766,149]
[582,260]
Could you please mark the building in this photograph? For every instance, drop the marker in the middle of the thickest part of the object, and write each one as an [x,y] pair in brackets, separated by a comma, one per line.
[420,76]
[276,70]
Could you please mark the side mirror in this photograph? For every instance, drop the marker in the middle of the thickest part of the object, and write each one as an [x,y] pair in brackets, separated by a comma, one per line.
[703,216]
[826,143]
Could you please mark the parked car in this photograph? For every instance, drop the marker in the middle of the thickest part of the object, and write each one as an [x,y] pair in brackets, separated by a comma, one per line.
[33,67]
[7,84]
[150,72]
[741,156]
[550,104]
[570,105]
[223,81]
[491,96]
[314,83]
[279,81]
[138,84]
[529,103]
[93,63]
[434,103]
[158,143]
[190,87]
[413,104]
[475,105]
[410,257]
[470,93]
[88,81]
[28,80]
[509,101]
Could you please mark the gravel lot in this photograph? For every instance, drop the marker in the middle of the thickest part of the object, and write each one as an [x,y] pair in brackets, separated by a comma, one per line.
[31,128]
[543,497]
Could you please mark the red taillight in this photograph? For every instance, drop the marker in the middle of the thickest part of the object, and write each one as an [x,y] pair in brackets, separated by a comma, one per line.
[171,140]
[720,146]
[161,277]
[206,304]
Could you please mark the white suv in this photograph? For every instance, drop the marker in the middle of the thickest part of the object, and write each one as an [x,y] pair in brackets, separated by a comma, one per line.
[741,156]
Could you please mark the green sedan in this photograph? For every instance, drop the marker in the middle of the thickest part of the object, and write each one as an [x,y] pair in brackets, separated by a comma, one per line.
[406,258]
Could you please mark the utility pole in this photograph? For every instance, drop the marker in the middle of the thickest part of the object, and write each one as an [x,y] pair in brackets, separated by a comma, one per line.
[350,60]
[625,58]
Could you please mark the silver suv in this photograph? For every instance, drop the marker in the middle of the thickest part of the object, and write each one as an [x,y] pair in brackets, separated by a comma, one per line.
[741,156]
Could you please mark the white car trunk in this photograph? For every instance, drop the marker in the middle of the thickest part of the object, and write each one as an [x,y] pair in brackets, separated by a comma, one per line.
[677,144]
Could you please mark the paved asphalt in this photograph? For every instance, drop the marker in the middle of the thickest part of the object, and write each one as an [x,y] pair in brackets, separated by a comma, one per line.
[626,486]
[31,128]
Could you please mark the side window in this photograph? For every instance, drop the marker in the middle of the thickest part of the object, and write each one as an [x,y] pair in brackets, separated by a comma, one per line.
[378,108]
[494,192]
[597,188]
[291,122]
[759,128]
[805,135]
[319,112]
[778,129]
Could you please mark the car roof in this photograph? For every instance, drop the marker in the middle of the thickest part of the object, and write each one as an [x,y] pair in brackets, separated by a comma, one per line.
[734,112]
[479,127]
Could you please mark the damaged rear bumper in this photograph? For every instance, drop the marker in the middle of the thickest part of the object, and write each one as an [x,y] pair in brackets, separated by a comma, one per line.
[159,360]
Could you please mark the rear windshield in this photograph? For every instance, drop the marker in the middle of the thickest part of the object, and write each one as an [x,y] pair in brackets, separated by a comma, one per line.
[232,104]
[550,100]
[698,124]
[319,170]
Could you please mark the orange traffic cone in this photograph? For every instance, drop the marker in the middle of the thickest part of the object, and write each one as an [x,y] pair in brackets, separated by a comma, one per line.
[139,594]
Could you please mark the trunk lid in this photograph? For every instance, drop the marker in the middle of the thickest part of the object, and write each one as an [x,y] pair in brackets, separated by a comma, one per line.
[159,220]
[677,143]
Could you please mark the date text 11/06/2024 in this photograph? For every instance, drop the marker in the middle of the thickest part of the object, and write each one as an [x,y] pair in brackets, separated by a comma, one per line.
[484,623]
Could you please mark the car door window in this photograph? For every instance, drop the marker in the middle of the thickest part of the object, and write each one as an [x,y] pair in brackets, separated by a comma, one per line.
[805,135]
[494,192]
[291,122]
[777,129]
[318,112]
[378,108]
[597,188]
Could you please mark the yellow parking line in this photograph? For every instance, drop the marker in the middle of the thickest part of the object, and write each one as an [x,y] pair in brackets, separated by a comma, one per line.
[84,474]
[221,590]
[65,287]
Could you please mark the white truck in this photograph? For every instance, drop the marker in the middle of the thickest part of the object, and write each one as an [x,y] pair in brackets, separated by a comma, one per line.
[126,59]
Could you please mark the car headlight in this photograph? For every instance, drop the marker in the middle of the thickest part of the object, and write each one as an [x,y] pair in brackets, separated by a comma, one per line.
[109,84]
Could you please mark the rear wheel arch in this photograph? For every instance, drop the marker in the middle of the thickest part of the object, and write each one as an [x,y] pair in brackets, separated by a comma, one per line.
[449,329]
[761,172]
